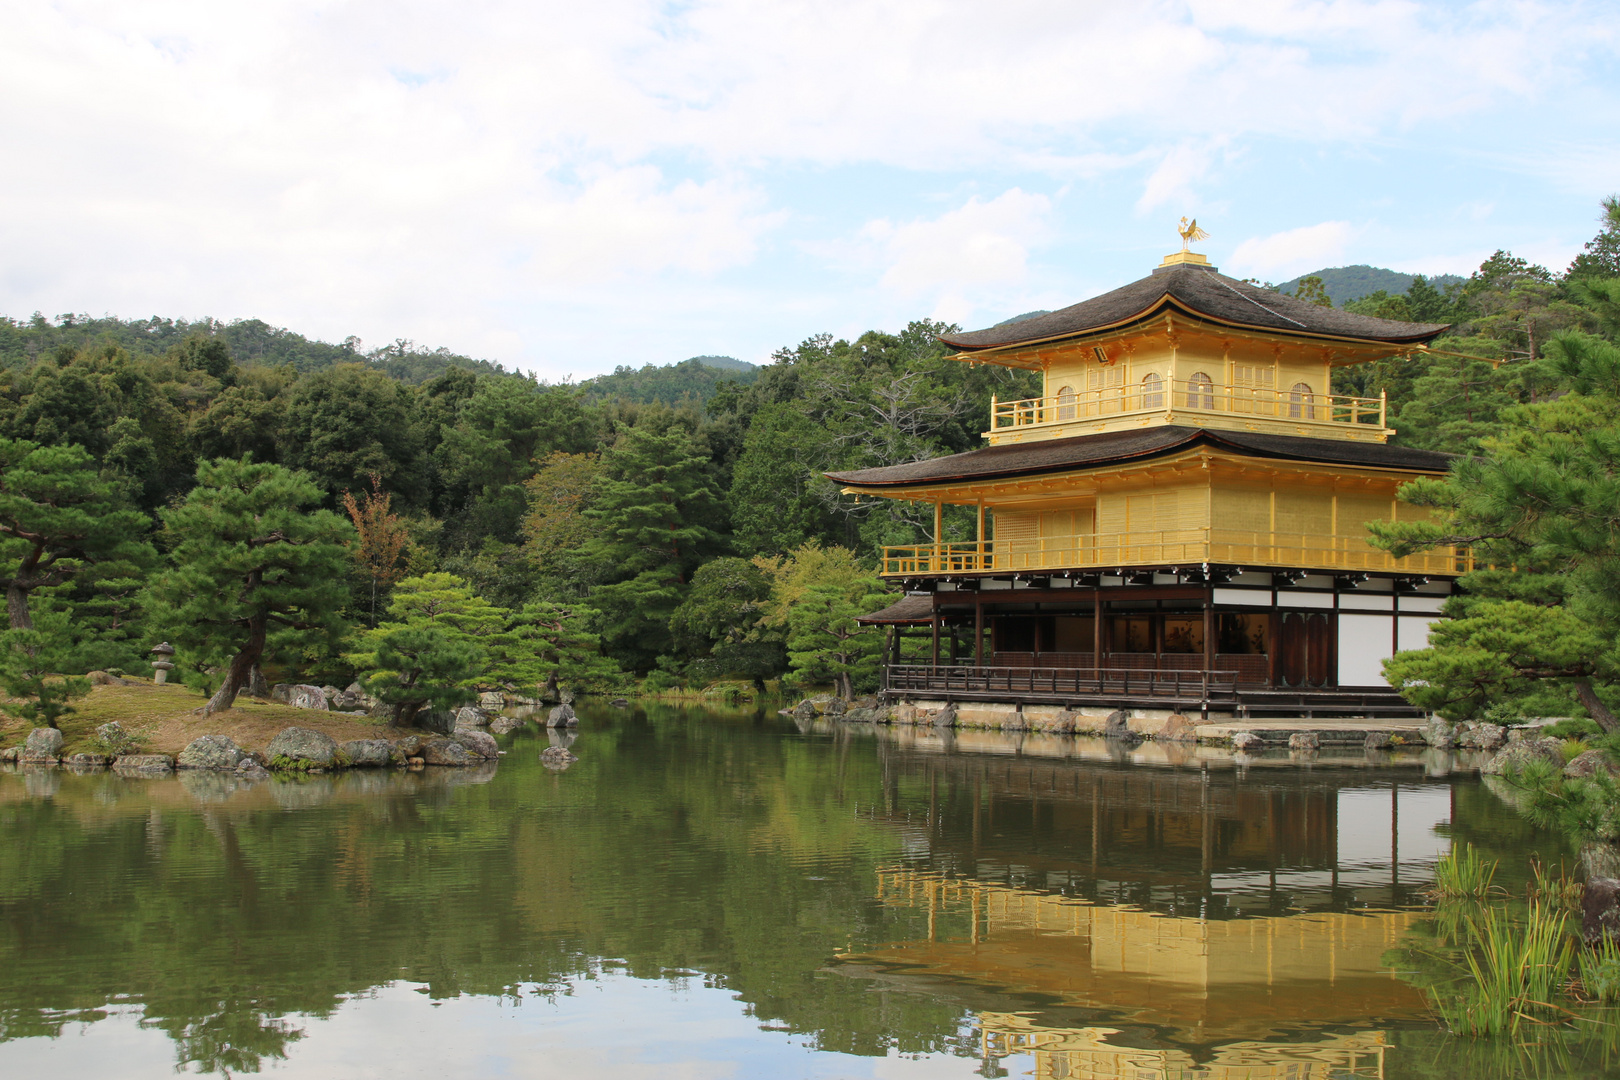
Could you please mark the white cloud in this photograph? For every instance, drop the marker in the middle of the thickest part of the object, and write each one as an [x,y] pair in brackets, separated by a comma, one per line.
[416,169]
[1284,254]
[980,248]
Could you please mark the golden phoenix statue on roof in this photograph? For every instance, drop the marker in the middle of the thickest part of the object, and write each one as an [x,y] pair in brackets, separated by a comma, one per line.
[1190,231]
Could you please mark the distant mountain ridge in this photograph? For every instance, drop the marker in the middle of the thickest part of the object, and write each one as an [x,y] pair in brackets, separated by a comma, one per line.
[1345,283]
[695,379]
[1025,317]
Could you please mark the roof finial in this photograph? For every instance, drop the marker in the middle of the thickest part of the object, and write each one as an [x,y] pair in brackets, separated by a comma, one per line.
[1190,231]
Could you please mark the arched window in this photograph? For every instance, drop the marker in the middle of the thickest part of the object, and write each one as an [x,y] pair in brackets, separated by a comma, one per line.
[1300,402]
[1152,391]
[1200,391]
[1065,403]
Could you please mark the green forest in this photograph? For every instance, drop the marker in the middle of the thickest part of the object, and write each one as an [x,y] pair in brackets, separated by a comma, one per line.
[281,507]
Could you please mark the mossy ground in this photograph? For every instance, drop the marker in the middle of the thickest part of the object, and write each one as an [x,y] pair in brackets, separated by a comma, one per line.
[166,717]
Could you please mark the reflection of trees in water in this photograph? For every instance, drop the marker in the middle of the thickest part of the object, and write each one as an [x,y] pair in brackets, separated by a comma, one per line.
[674,845]
[225,911]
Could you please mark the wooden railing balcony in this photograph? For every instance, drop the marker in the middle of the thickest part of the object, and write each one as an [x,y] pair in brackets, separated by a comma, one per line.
[1195,402]
[1057,683]
[1187,547]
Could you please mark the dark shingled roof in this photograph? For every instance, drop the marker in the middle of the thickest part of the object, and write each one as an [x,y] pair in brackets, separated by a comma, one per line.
[907,611]
[1201,291]
[1082,451]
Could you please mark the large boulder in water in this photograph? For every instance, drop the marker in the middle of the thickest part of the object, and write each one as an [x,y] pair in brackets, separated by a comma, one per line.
[217,752]
[562,716]
[300,695]
[445,751]
[1118,727]
[369,753]
[1179,729]
[143,764]
[301,748]
[44,745]
[1587,763]
[500,725]
[1516,755]
[557,758]
[441,721]
[470,717]
[481,743]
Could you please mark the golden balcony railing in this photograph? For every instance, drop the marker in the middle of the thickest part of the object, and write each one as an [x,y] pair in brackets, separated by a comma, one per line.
[1173,396]
[1228,547]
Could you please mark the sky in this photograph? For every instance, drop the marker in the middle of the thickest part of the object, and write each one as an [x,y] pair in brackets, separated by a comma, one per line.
[569,187]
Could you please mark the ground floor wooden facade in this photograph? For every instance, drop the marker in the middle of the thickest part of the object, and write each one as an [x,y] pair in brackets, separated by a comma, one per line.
[1212,638]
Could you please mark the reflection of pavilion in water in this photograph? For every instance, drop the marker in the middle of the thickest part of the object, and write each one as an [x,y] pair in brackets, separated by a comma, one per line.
[1204,979]
[1172,924]
[1086,1054]
[1212,842]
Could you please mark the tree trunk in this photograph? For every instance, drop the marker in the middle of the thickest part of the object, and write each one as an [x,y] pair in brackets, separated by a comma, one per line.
[240,671]
[846,686]
[17,606]
[1599,711]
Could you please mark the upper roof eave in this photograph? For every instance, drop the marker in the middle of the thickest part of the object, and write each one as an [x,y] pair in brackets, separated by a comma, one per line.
[1163,293]
[996,463]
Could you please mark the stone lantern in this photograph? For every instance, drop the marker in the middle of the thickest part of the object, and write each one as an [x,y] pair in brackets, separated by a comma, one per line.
[161,664]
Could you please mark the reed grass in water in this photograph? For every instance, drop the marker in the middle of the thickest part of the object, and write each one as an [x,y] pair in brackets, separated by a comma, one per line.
[1515,968]
[1463,874]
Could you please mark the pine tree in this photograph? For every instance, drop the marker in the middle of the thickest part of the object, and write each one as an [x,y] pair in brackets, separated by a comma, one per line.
[251,554]
[29,660]
[57,516]
[655,515]
[439,643]
[550,647]
[717,627]
[1540,507]
[825,642]
[1601,258]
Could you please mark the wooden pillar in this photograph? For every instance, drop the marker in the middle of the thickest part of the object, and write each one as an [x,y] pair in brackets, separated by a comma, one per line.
[984,561]
[1209,629]
[935,624]
[1096,633]
[978,625]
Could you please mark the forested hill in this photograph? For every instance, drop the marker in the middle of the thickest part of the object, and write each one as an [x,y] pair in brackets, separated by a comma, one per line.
[666,509]
[1346,283]
[697,379]
[250,341]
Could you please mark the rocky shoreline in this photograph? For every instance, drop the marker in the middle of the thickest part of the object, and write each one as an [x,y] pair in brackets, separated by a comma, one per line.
[459,738]
[1500,748]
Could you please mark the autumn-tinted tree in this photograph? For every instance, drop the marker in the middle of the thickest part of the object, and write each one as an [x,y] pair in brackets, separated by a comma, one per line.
[252,552]
[382,537]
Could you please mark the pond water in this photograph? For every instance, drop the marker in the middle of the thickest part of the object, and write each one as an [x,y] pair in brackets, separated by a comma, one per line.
[711,894]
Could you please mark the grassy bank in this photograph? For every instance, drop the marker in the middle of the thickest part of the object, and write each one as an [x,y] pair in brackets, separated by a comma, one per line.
[166,717]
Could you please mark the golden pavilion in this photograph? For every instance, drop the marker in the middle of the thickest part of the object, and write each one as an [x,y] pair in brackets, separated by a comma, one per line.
[1179,520]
